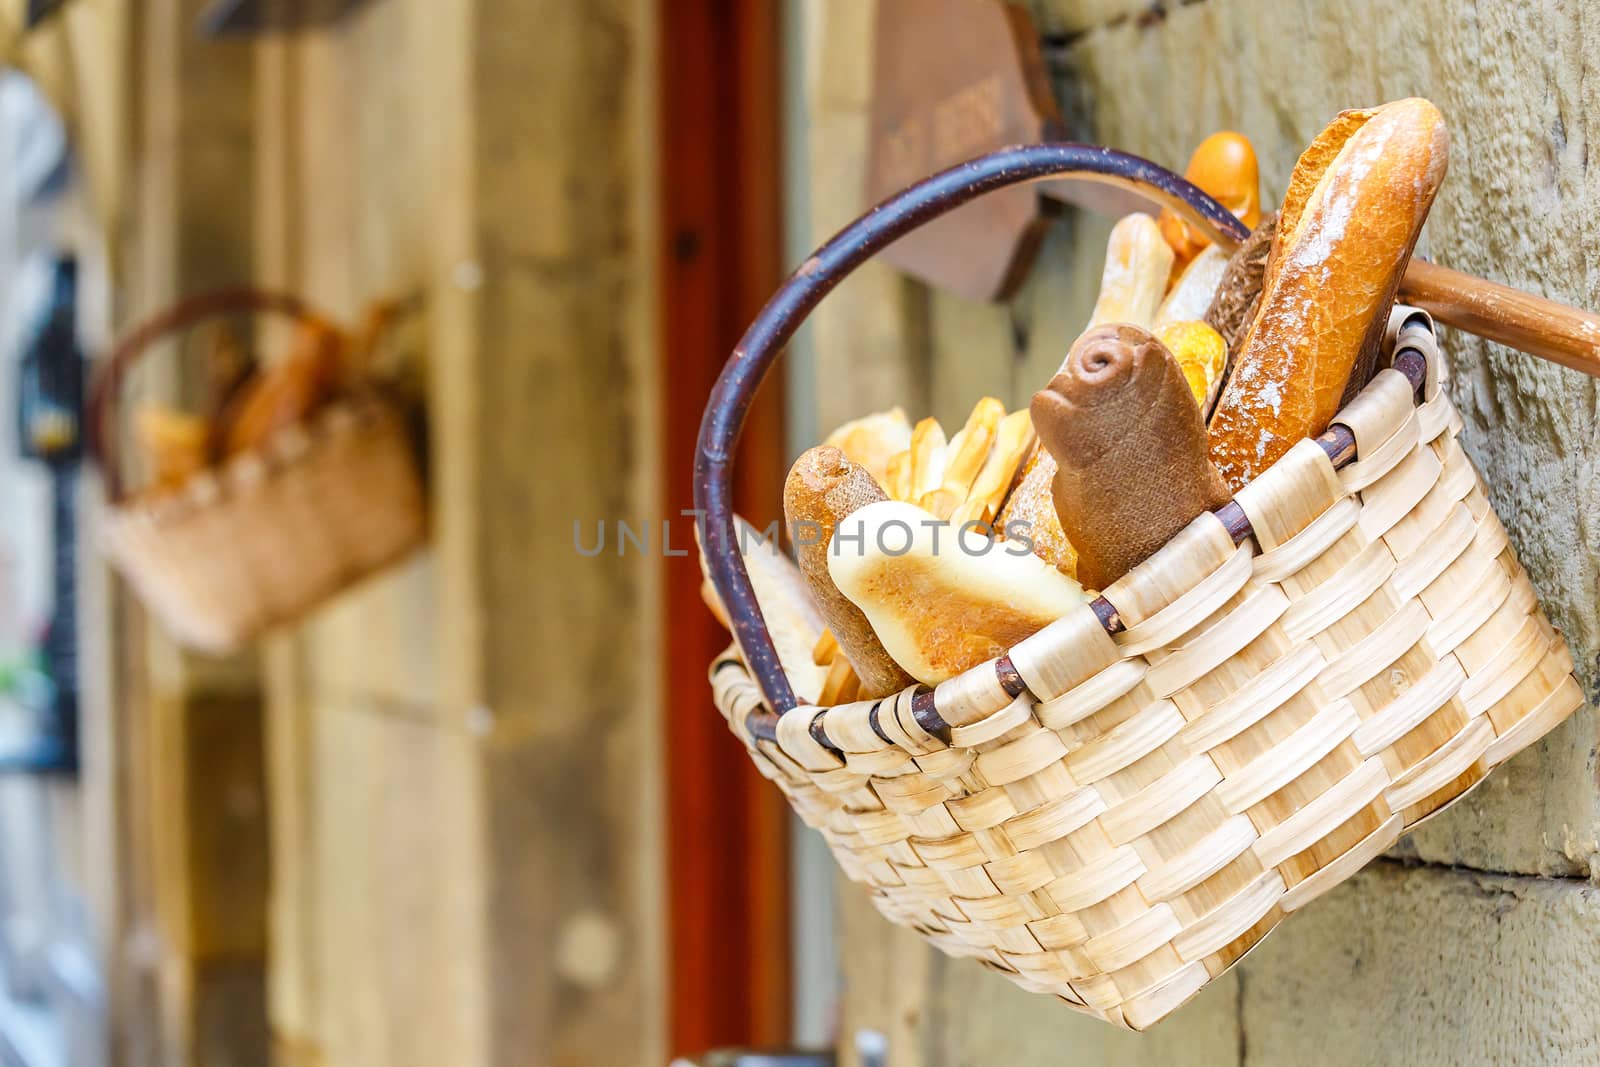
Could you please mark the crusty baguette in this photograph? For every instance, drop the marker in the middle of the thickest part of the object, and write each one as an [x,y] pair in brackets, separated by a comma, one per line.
[822,488]
[1356,202]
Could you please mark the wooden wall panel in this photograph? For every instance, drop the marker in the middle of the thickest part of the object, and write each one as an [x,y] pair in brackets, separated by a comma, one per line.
[471,866]
[187,960]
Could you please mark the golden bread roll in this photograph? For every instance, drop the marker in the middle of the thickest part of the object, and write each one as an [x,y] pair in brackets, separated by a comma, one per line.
[1225,166]
[823,488]
[1201,354]
[1356,203]
[1130,450]
[872,439]
[941,601]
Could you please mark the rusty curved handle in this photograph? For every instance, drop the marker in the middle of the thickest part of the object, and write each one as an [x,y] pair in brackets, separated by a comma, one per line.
[827,267]
[134,344]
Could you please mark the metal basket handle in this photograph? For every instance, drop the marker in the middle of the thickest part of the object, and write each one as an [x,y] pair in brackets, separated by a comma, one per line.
[730,398]
[136,343]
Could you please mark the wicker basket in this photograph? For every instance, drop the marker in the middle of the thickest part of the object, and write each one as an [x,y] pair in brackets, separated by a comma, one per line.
[267,536]
[1126,803]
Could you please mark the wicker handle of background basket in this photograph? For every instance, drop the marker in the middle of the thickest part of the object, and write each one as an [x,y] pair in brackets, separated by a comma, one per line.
[855,244]
[101,416]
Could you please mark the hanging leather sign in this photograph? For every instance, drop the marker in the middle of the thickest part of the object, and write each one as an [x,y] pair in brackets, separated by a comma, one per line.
[954,79]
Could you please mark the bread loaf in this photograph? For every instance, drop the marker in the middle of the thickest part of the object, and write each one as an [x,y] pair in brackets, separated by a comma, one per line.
[1130,450]
[1356,203]
[1134,279]
[940,598]
[786,605]
[872,439]
[822,488]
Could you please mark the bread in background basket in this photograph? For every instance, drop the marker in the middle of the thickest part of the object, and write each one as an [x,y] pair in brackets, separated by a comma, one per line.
[301,478]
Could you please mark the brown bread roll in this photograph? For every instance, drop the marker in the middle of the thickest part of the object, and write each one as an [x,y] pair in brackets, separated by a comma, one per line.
[822,488]
[286,392]
[1130,450]
[1234,304]
[1356,202]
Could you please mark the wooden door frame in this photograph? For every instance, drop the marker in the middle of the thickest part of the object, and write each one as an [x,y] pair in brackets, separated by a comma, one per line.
[721,256]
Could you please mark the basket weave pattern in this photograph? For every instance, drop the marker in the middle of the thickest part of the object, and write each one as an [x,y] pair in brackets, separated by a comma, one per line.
[1274,716]
[272,533]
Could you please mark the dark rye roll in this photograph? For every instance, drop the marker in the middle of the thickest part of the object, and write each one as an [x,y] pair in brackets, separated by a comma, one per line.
[1130,450]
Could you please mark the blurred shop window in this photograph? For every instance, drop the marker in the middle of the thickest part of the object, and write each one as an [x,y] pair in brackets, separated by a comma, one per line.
[51,274]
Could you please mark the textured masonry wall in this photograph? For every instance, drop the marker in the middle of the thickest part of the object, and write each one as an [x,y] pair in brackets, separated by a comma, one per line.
[1426,958]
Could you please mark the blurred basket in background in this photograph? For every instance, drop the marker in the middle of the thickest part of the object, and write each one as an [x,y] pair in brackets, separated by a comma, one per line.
[266,534]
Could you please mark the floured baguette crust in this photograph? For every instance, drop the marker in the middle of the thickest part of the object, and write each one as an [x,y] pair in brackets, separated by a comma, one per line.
[822,488]
[1344,236]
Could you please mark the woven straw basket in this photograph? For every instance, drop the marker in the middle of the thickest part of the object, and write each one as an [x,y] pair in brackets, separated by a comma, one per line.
[1122,806]
[270,534]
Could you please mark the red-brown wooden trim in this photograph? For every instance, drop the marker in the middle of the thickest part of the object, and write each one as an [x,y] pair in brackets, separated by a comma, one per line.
[721,255]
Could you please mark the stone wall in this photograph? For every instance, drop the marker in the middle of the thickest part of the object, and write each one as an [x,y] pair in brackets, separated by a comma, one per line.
[1479,941]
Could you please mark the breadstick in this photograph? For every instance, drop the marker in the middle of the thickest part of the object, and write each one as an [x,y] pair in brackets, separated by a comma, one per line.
[1012,443]
[1138,263]
[965,457]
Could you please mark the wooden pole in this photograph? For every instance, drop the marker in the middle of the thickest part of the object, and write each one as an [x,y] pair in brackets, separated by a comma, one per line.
[1500,313]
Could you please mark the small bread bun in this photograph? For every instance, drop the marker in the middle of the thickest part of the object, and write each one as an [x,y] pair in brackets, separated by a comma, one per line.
[872,439]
